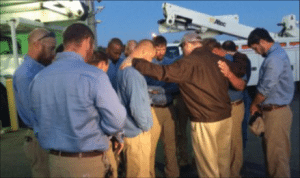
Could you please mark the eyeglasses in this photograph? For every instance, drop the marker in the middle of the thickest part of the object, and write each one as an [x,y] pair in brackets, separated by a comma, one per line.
[50,34]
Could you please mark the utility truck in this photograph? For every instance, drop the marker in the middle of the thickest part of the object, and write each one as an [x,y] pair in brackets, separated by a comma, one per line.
[18,18]
[178,19]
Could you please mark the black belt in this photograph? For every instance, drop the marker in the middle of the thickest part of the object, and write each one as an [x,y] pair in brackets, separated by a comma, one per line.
[160,106]
[235,103]
[271,107]
[81,154]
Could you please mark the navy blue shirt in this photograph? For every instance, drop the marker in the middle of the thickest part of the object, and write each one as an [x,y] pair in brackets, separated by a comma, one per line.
[233,93]
[164,90]
[112,72]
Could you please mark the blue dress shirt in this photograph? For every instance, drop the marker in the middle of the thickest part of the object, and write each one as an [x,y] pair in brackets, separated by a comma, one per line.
[112,72]
[165,90]
[21,80]
[132,91]
[76,107]
[234,95]
[276,80]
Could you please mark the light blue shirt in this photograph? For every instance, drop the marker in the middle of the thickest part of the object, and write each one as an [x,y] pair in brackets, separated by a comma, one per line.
[75,105]
[165,90]
[21,80]
[112,71]
[132,91]
[234,95]
[276,81]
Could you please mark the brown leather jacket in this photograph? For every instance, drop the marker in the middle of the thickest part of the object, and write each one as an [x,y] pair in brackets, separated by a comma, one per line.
[202,85]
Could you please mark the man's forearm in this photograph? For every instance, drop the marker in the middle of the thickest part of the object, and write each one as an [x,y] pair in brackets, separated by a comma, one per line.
[238,83]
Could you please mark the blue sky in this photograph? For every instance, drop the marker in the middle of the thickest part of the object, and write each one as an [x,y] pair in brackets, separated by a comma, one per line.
[138,19]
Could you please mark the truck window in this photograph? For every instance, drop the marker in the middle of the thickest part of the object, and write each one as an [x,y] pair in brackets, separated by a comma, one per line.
[172,52]
[5,47]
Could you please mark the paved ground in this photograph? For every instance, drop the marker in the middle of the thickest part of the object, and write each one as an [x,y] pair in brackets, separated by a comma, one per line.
[15,164]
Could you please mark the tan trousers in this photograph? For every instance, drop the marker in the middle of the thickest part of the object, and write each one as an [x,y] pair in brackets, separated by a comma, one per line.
[137,155]
[78,167]
[164,127]
[276,141]
[236,152]
[211,144]
[182,116]
[38,157]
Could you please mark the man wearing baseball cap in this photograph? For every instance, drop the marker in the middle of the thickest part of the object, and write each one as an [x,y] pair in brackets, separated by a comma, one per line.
[205,92]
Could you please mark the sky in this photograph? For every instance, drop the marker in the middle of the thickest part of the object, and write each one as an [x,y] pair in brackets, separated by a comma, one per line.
[137,20]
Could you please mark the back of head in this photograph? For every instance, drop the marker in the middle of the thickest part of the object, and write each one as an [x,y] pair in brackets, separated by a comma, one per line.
[229,46]
[130,46]
[144,49]
[76,33]
[114,41]
[159,41]
[211,43]
[257,34]
[98,56]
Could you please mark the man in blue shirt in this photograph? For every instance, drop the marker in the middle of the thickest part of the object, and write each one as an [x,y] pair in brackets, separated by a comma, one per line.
[162,103]
[132,91]
[41,52]
[114,51]
[76,109]
[275,91]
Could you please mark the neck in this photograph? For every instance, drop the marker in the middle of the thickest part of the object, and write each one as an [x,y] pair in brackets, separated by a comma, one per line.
[76,50]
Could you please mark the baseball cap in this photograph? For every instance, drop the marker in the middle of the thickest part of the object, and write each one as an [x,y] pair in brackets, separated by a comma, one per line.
[190,37]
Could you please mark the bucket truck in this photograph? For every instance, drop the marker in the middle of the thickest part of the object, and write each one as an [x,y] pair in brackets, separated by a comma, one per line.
[18,18]
[178,19]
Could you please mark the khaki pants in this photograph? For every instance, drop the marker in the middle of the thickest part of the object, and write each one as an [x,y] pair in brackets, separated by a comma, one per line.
[96,166]
[137,155]
[211,144]
[164,127]
[37,156]
[236,152]
[276,141]
[182,116]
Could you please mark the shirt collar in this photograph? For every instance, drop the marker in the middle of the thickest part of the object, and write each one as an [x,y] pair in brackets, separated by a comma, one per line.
[69,55]
[33,61]
[273,48]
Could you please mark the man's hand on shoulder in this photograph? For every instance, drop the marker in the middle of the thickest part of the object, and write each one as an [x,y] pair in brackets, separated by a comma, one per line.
[126,63]
[225,69]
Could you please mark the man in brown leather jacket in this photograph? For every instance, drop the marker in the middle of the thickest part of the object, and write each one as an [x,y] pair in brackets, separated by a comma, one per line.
[205,92]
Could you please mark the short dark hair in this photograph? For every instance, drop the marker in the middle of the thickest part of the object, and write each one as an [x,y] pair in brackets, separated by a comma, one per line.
[115,41]
[159,40]
[211,43]
[98,56]
[229,46]
[76,33]
[59,49]
[257,34]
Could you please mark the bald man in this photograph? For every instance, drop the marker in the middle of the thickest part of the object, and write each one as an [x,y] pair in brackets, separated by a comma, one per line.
[41,52]
[133,93]
[131,44]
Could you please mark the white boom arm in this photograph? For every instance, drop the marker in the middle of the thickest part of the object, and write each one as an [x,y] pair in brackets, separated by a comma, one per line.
[44,11]
[181,19]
